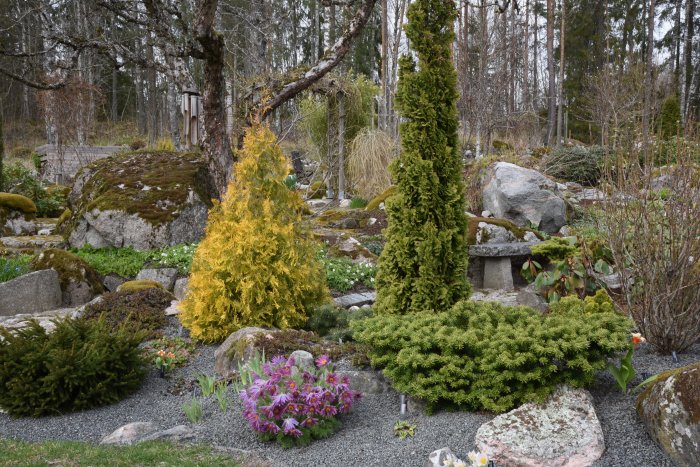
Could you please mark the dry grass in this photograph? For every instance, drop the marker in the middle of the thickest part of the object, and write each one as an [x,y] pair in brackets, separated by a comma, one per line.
[371,152]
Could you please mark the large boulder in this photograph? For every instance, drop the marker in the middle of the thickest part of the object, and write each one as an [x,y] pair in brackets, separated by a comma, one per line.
[564,431]
[524,196]
[670,411]
[142,200]
[79,282]
[17,214]
[31,293]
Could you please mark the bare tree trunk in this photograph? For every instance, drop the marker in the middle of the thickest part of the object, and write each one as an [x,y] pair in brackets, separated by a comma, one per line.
[648,84]
[527,102]
[687,61]
[174,115]
[551,98]
[384,108]
[535,61]
[341,146]
[152,102]
[560,99]
[115,109]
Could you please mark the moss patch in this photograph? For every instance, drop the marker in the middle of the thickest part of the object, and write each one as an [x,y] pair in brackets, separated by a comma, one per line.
[373,205]
[473,228]
[136,286]
[70,268]
[152,185]
[15,202]
[317,190]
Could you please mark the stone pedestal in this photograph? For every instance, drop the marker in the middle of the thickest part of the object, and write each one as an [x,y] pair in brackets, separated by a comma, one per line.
[497,274]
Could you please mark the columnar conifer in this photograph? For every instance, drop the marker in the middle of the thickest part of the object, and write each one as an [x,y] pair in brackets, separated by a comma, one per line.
[423,265]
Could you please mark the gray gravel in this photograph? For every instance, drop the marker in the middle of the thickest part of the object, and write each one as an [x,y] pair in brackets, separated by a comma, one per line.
[366,438]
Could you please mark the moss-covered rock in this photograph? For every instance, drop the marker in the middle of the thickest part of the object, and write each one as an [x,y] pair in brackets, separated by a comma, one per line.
[79,282]
[376,202]
[145,200]
[670,411]
[136,286]
[17,214]
[481,230]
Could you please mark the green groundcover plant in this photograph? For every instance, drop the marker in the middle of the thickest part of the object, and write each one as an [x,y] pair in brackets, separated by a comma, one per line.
[483,355]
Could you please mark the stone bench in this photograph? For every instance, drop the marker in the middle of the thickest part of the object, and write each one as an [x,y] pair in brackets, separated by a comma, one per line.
[497,262]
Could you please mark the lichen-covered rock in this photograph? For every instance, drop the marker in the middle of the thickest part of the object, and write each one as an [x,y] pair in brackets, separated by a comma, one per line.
[524,196]
[670,411]
[17,214]
[165,276]
[564,431]
[79,282]
[142,200]
[237,349]
[31,293]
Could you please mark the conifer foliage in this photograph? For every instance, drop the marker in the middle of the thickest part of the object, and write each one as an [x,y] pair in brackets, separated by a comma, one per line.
[423,265]
[254,266]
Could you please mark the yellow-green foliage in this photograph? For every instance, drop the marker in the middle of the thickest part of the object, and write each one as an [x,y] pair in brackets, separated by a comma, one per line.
[136,286]
[317,190]
[254,266]
[17,202]
[165,144]
[375,202]
[63,217]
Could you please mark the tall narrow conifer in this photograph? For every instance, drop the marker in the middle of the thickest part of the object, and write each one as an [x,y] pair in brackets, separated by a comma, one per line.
[423,265]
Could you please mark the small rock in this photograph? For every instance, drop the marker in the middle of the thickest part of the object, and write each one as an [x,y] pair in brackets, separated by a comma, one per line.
[173,309]
[354,308]
[303,359]
[355,299]
[438,458]
[237,349]
[165,276]
[129,434]
[348,223]
[366,382]
[531,237]
[180,288]
[486,213]
[112,282]
[345,203]
[176,434]
[371,221]
[45,232]
[366,306]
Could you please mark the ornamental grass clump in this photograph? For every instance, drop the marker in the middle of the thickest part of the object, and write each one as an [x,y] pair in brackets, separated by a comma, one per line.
[293,405]
[256,266]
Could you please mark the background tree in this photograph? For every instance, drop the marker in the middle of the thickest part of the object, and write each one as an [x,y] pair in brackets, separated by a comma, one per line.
[423,265]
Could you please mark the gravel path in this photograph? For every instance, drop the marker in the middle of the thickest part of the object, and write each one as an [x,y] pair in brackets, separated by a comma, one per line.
[366,438]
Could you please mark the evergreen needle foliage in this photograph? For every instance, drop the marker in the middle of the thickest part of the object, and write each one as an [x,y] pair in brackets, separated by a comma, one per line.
[483,355]
[254,267]
[423,265]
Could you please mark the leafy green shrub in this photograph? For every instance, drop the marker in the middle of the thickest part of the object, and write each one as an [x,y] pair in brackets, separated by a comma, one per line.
[342,274]
[669,118]
[143,310]
[255,266]
[333,322]
[483,355]
[358,203]
[19,180]
[81,364]
[555,249]
[575,164]
[13,267]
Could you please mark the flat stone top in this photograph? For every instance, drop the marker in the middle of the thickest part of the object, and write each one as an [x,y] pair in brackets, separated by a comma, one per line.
[499,250]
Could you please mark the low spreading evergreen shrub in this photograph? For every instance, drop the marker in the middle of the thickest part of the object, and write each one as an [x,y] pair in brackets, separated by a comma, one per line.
[80,365]
[482,355]
[142,310]
[575,164]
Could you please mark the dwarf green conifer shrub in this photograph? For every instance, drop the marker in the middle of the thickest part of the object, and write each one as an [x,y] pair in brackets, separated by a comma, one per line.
[137,310]
[255,266]
[80,365]
[423,265]
[483,355]
[575,164]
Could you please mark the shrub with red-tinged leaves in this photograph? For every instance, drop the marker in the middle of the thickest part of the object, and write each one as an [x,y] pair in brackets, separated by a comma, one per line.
[293,405]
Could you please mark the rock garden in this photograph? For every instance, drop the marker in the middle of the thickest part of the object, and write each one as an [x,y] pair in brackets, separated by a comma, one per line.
[530,308]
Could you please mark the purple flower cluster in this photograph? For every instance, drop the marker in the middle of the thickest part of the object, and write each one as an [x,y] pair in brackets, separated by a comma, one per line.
[285,400]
